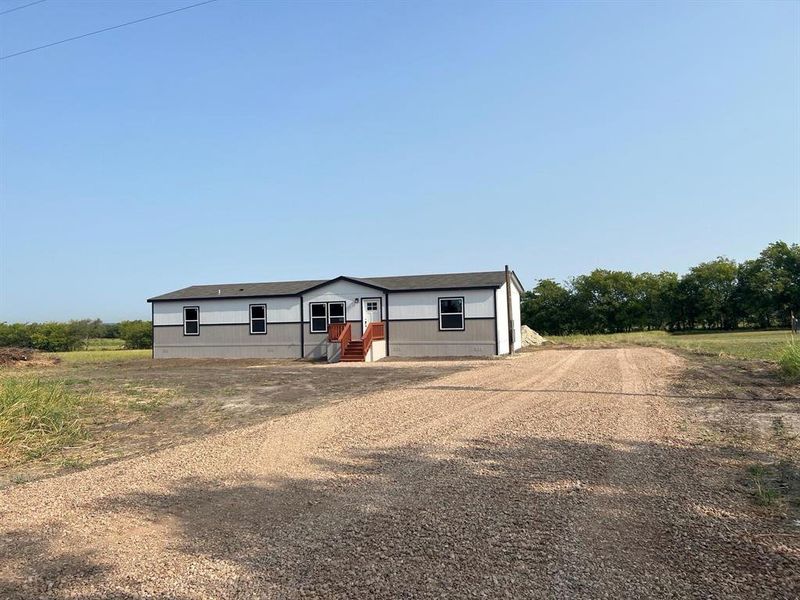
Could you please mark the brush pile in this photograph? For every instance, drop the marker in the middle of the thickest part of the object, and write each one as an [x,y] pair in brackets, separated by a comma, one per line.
[11,356]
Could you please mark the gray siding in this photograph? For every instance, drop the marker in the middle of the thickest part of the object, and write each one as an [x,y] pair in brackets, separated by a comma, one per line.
[228,341]
[316,344]
[422,338]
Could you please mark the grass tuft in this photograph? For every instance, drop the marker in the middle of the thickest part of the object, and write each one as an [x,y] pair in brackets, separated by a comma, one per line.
[764,490]
[36,418]
[789,360]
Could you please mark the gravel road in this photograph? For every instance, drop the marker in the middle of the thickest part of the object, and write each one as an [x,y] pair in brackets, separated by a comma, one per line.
[554,474]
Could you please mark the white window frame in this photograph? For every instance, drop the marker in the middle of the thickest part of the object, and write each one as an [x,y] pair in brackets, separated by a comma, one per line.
[461,313]
[344,311]
[252,318]
[185,320]
[311,317]
[369,303]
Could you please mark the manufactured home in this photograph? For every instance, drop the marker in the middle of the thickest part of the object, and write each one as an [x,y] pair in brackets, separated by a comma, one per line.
[344,318]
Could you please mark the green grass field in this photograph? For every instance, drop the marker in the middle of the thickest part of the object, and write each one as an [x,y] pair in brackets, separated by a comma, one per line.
[105,344]
[763,345]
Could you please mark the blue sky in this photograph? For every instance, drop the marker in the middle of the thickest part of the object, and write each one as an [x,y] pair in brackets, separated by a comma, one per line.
[255,141]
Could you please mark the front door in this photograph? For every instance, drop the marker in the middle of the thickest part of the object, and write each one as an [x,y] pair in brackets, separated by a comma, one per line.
[370,311]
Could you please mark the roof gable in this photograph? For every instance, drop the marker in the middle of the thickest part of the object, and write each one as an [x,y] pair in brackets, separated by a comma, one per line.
[344,278]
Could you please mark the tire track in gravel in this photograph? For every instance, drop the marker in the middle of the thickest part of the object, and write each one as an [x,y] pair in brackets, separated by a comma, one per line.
[605,534]
[398,496]
[295,449]
[465,487]
[369,414]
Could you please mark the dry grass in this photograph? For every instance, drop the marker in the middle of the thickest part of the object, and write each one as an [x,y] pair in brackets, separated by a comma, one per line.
[789,360]
[759,345]
[98,356]
[36,418]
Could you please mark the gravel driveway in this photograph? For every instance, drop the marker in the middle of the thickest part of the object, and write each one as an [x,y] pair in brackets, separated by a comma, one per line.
[555,474]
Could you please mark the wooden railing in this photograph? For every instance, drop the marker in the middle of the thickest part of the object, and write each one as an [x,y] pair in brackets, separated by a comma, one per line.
[340,332]
[343,334]
[374,331]
[335,330]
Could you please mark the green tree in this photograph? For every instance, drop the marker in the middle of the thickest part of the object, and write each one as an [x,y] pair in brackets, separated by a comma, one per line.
[137,334]
[657,298]
[607,301]
[16,334]
[546,308]
[712,288]
[781,261]
[753,296]
[55,337]
[110,330]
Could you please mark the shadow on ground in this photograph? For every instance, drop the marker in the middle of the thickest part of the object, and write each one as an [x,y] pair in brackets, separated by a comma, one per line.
[500,517]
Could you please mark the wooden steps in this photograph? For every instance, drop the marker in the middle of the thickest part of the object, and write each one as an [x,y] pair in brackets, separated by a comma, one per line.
[353,352]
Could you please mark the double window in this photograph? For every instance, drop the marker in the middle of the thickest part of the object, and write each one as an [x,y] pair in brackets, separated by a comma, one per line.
[451,314]
[191,320]
[325,313]
[258,319]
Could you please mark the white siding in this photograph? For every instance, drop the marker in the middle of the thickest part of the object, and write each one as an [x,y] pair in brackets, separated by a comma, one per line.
[502,320]
[346,291]
[425,305]
[377,351]
[227,310]
[516,311]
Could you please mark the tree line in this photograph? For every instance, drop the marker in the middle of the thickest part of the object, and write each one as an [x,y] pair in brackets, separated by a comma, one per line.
[719,294]
[74,335]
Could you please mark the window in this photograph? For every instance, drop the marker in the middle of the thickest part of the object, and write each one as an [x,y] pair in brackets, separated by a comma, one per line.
[191,320]
[258,318]
[372,305]
[319,317]
[451,314]
[322,314]
[336,313]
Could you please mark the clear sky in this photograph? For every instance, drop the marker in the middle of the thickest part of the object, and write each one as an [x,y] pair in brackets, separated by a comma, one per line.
[256,141]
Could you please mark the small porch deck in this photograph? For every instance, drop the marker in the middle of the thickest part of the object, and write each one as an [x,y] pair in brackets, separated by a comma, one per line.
[342,346]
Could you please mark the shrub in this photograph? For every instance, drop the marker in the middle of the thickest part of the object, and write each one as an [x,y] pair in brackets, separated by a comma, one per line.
[16,334]
[51,336]
[137,334]
[789,360]
[56,337]
[36,418]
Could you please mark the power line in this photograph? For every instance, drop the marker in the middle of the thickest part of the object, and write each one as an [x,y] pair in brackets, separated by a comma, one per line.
[5,12]
[78,37]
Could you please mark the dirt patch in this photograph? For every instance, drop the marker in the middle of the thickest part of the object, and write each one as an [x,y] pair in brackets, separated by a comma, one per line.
[752,417]
[15,357]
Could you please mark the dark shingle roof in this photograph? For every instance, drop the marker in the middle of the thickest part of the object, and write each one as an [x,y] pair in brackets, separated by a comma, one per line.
[293,288]
[240,290]
[441,281]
